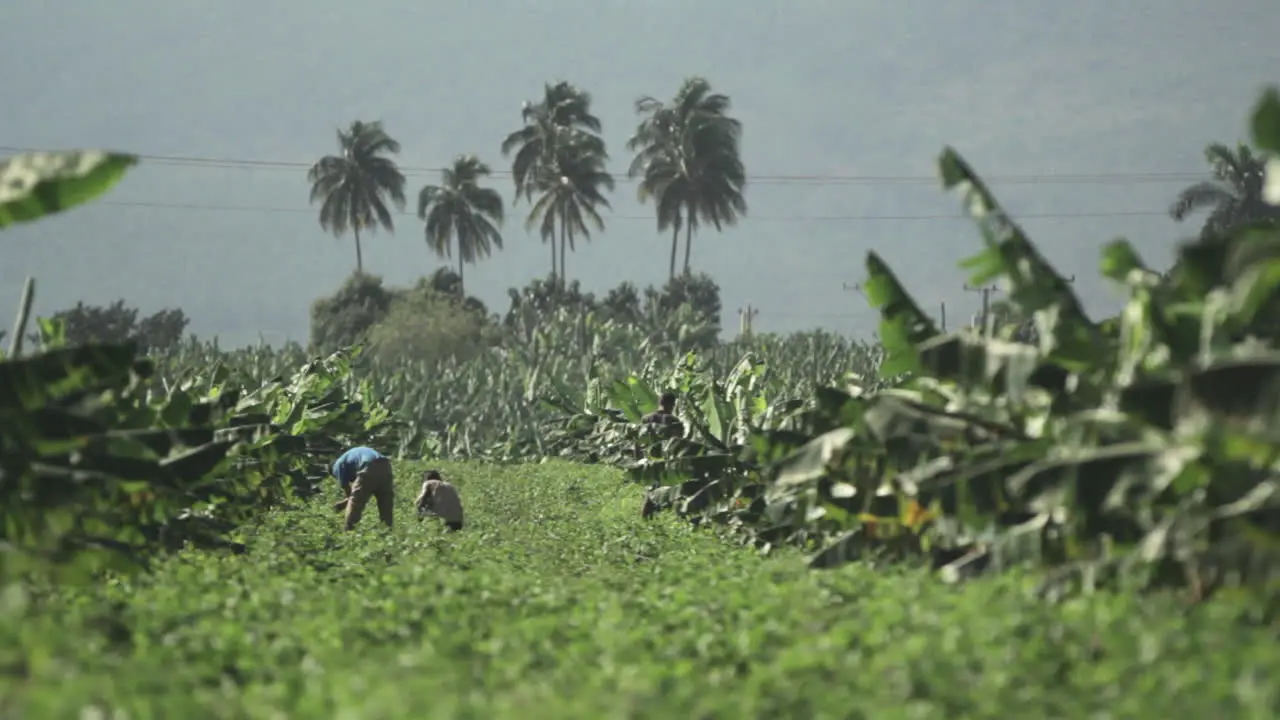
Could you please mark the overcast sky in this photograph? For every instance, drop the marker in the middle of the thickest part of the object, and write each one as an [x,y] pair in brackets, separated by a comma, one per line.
[1028,90]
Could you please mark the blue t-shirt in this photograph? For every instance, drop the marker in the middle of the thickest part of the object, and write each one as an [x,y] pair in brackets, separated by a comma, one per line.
[352,462]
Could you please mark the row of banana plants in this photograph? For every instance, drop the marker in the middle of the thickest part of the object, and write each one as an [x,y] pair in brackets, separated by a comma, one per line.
[501,405]
[104,464]
[1141,450]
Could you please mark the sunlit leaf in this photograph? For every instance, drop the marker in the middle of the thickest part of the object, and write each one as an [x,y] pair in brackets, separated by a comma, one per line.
[811,461]
[1120,262]
[33,185]
[903,324]
[1265,122]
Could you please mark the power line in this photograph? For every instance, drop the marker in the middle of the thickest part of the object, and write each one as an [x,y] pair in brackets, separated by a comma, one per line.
[762,179]
[650,218]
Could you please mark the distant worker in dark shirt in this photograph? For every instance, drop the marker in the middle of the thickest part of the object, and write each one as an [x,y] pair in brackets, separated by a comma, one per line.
[666,415]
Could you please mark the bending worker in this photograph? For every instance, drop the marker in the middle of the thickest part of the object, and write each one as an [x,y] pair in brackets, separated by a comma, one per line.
[439,498]
[364,473]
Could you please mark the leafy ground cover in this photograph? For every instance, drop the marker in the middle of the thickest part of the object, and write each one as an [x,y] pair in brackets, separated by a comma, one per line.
[559,601]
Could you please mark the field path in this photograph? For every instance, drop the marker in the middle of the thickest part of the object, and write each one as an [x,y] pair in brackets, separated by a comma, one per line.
[559,602]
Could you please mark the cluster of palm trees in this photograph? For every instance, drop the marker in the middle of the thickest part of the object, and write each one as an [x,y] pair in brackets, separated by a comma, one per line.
[686,160]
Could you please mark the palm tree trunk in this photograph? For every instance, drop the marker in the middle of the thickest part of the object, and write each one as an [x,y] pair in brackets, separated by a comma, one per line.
[563,245]
[359,255]
[462,288]
[688,243]
[675,244]
[552,243]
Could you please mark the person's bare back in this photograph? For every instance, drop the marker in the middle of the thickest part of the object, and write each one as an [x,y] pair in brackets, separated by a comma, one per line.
[666,415]
[439,498]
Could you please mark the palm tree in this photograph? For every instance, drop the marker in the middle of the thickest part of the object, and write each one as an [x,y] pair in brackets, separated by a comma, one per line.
[562,118]
[563,107]
[1235,195]
[569,190]
[459,209]
[356,184]
[688,161]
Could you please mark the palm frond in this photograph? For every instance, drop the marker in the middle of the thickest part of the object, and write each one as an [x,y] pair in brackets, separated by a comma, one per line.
[1201,196]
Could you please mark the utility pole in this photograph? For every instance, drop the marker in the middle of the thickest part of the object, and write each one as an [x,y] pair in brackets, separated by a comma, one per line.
[942,306]
[744,320]
[986,302]
[986,299]
[856,287]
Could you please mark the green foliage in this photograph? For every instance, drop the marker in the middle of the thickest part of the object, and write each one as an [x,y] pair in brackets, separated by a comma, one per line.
[1266,133]
[1235,196]
[116,323]
[33,185]
[1265,121]
[101,469]
[102,465]
[700,294]
[1138,450]
[560,602]
[351,315]
[488,405]
[346,318]
[722,408]
[548,296]
[622,304]
[445,281]
[684,312]
[429,327]
[1245,191]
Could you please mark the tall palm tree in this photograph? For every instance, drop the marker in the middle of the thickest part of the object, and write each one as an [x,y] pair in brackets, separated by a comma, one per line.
[569,192]
[459,209]
[562,118]
[563,107]
[1235,195]
[688,161]
[356,184]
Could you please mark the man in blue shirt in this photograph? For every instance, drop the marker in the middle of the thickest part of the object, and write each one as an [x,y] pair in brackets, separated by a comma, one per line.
[365,473]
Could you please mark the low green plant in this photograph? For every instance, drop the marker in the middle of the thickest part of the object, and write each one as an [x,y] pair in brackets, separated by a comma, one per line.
[558,601]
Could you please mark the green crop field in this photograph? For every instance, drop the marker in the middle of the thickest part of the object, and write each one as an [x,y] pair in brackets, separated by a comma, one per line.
[1054,517]
[560,602]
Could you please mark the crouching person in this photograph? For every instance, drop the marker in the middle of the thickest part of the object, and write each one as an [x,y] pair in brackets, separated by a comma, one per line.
[441,499]
[365,473]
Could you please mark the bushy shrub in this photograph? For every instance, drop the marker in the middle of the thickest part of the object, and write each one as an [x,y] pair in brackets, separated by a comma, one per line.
[346,317]
[426,326]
